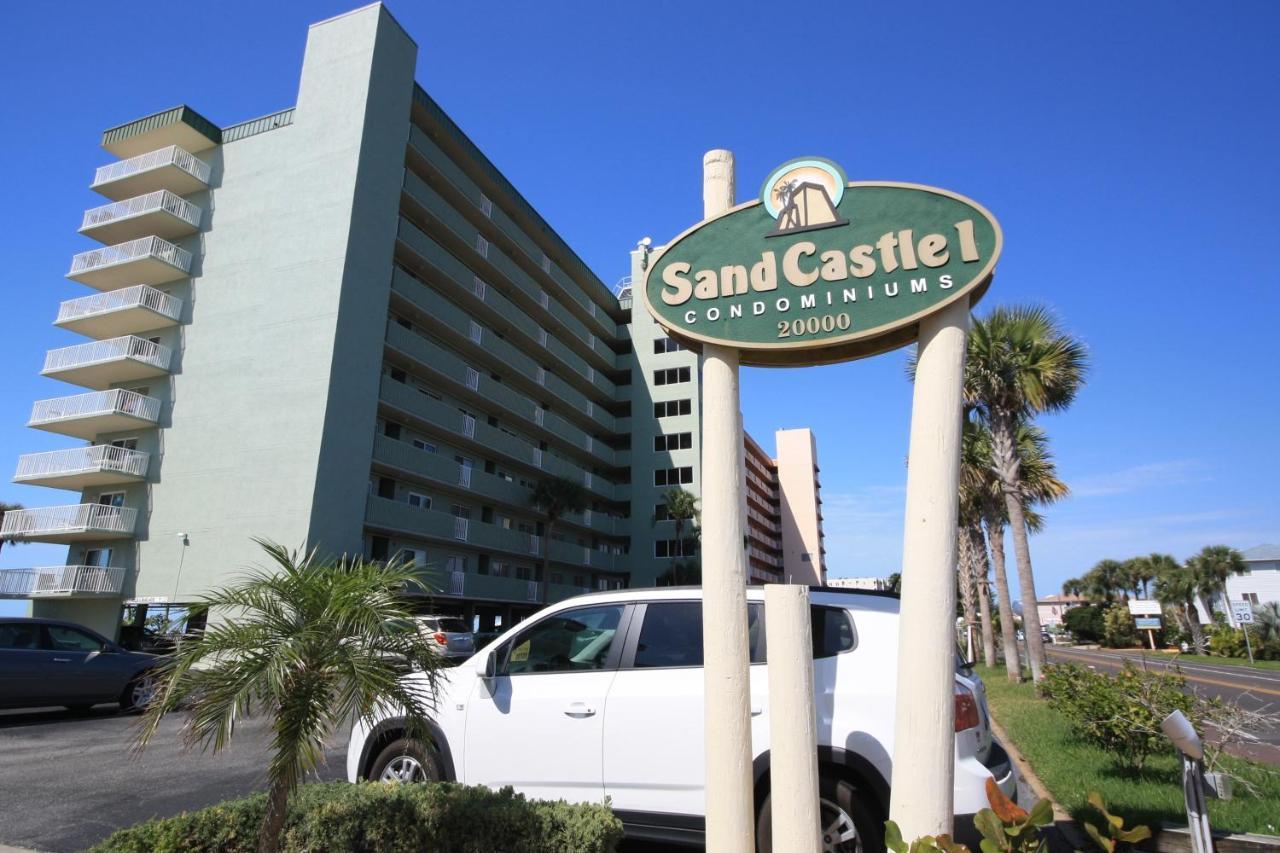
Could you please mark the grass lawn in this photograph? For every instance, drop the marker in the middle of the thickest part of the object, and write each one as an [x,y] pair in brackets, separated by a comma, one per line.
[1258,664]
[1070,769]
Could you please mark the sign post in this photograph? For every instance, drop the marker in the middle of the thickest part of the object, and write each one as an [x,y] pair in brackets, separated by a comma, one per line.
[1146,617]
[1243,613]
[819,270]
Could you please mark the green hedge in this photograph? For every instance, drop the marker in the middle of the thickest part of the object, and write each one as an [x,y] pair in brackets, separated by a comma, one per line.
[390,817]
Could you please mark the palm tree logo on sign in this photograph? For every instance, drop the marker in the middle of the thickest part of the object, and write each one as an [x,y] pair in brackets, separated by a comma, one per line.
[802,195]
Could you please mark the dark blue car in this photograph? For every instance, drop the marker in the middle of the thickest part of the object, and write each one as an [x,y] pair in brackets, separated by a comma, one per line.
[45,662]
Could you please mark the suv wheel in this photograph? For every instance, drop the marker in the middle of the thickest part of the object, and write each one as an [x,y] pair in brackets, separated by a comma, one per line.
[849,822]
[405,760]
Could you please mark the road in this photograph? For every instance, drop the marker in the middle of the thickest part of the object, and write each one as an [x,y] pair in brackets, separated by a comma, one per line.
[1255,689]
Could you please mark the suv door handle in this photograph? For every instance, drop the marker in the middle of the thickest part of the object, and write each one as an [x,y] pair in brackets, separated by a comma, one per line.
[757,710]
[579,709]
[62,660]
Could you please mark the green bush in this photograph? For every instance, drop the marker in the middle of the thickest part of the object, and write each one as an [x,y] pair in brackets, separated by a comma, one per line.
[384,817]
[1226,641]
[1119,713]
[1118,631]
[1084,623]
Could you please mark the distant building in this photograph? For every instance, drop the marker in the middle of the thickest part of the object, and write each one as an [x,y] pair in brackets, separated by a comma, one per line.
[875,584]
[784,510]
[1261,583]
[1053,608]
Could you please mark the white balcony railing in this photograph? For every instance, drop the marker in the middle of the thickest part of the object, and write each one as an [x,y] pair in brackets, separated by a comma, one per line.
[144,247]
[457,582]
[160,200]
[138,296]
[171,156]
[61,581]
[96,352]
[531,591]
[72,518]
[80,460]
[117,401]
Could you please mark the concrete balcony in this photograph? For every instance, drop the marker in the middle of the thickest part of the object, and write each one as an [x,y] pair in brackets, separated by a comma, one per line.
[159,213]
[69,523]
[149,260]
[82,467]
[491,588]
[101,364]
[171,168]
[61,582]
[89,415]
[119,312]
[178,126]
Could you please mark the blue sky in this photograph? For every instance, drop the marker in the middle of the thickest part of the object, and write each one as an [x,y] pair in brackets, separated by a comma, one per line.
[1127,149]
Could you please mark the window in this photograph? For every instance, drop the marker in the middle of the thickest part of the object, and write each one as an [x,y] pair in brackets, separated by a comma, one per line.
[456,563]
[111,499]
[63,639]
[806,557]
[673,441]
[397,374]
[671,376]
[673,476]
[675,548]
[420,501]
[100,557]
[672,635]
[1251,597]
[19,636]
[671,408]
[499,569]
[660,512]
[126,443]
[576,641]
[832,631]
[424,445]
[662,345]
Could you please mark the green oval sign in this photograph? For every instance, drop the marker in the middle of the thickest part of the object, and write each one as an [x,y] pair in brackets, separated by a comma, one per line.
[820,270]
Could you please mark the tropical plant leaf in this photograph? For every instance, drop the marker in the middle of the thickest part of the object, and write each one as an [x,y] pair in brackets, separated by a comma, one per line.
[893,837]
[1041,813]
[1006,809]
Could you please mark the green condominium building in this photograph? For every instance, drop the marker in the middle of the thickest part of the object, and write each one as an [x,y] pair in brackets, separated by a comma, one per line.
[339,326]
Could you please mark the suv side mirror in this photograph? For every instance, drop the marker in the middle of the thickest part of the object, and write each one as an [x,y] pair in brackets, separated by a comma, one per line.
[488,666]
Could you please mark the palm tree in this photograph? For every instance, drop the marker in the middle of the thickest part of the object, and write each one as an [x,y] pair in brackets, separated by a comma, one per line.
[1020,363]
[555,497]
[1104,580]
[979,498]
[1266,621]
[1140,574]
[682,508]
[1176,588]
[6,507]
[1212,566]
[1073,587]
[310,643]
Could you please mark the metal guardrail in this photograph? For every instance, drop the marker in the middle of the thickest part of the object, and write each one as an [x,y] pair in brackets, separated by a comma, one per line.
[170,156]
[143,247]
[61,581]
[71,518]
[76,460]
[138,296]
[127,346]
[116,401]
[153,202]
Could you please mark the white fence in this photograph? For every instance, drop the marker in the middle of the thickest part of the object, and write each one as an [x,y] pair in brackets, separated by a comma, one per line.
[170,156]
[143,247]
[115,401]
[61,581]
[76,460]
[138,296]
[95,352]
[153,202]
[71,518]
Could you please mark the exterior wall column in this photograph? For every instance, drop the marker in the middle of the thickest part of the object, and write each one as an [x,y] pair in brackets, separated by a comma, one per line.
[924,722]
[730,806]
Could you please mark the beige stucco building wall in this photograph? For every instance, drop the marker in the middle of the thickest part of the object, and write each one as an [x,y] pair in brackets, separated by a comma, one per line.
[803,554]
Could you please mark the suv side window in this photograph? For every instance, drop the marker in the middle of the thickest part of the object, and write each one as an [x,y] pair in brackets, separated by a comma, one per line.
[832,631]
[671,634]
[62,639]
[573,641]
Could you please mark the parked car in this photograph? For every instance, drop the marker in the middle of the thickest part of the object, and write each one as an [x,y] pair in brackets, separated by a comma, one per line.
[448,636]
[1046,637]
[602,696]
[46,662]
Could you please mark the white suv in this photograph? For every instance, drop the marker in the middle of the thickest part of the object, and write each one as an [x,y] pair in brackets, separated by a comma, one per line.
[602,696]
